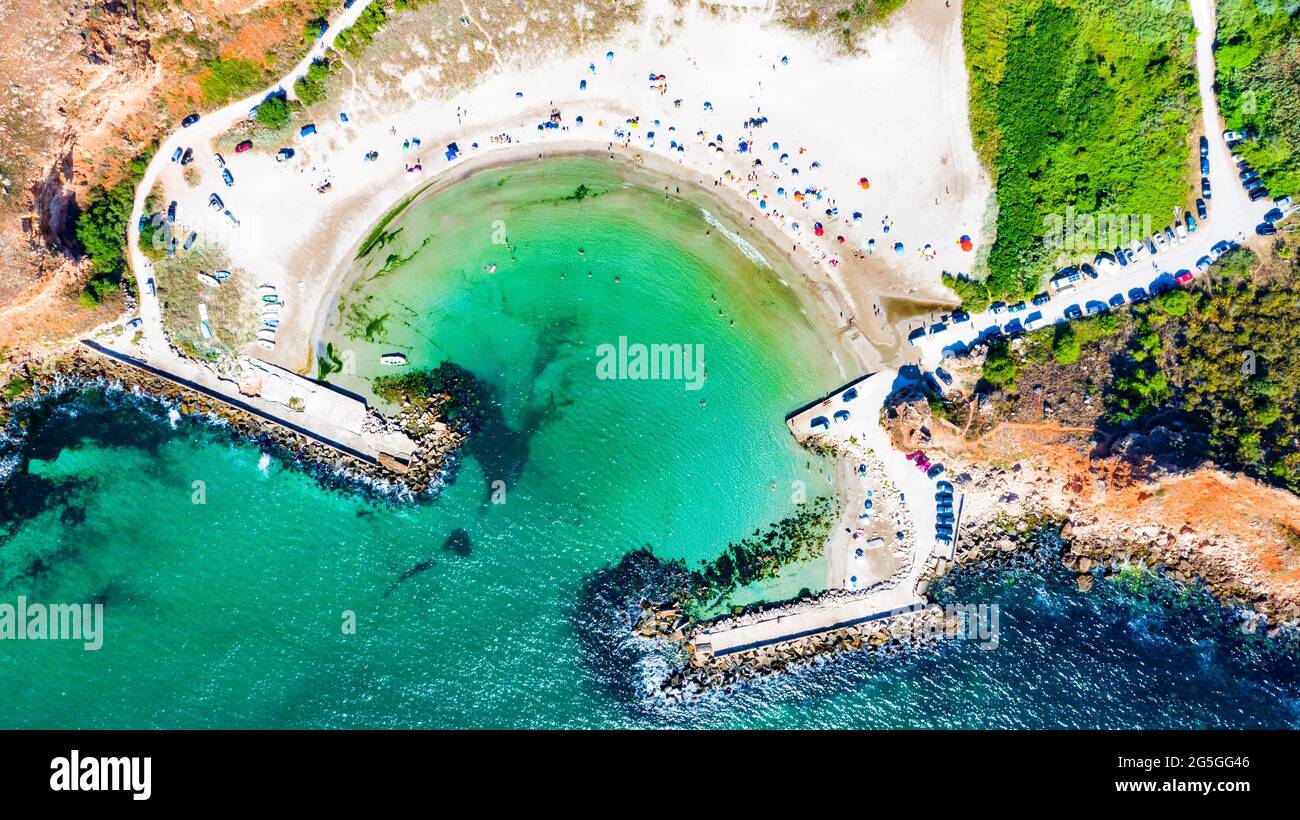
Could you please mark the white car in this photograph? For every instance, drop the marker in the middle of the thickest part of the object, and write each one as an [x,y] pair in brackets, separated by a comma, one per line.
[1106,263]
[1034,320]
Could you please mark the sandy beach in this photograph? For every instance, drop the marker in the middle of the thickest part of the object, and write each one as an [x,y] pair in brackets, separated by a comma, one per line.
[734,85]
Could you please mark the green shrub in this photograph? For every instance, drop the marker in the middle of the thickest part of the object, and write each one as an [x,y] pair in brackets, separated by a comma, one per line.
[273,113]
[229,79]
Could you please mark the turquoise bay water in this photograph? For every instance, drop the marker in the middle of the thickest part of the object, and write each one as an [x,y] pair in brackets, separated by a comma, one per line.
[230,613]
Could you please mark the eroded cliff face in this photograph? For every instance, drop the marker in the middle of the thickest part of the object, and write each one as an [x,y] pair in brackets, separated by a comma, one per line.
[1146,499]
[88,86]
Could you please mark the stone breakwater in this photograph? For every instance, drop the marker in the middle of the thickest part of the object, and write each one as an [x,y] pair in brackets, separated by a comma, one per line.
[1003,543]
[435,441]
[702,672]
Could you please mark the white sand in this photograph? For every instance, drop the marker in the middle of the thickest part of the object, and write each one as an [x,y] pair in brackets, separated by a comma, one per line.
[896,114]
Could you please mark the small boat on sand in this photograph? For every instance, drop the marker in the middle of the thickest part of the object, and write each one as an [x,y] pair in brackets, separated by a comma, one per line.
[393,359]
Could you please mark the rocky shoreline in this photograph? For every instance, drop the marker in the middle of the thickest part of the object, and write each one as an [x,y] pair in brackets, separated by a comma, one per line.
[986,546]
[999,544]
[436,442]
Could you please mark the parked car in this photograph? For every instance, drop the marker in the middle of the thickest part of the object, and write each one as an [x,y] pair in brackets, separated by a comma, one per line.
[998,308]
[215,202]
[1205,147]
[171,211]
[1034,320]
[1274,215]
[1201,210]
[187,157]
[1218,249]
[919,333]
[1181,231]
[1088,270]
[246,145]
[1254,185]
[1161,242]
[944,375]
[1183,277]
[176,155]
[1041,299]
[1073,312]
[1246,173]
[189,240]
[1265,229]
[1204,263]
[149,284]
[1169,236]
[1191,224]
[1258,194]
[1233,136]
[231,217]
[1017,307]
[190,120]
[1106,262]
[220,160]
[307,130]
[227,177]
[944,487]
[1205,166]
[283,154]
[1205,187]
[1136,295]
[1117,300]
[960,316]
[912,455]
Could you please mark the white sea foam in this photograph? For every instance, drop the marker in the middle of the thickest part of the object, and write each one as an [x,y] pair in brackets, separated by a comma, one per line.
[736,239]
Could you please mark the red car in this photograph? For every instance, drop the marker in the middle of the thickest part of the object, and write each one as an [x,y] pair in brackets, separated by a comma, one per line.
[1183,277]
[913,455]
[922,463]
[243,146]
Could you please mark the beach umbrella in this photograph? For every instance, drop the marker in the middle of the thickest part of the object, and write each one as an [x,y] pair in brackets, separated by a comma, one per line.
[609,55]
[518,94]
[762,204]
[776,146]
[898,248]
[817,228]
[864,184]
[708,106]
[857,216]
[785,61]
[965,243]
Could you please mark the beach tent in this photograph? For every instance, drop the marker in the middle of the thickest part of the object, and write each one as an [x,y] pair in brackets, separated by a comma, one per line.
[898,248]
[818,229]
[965,243]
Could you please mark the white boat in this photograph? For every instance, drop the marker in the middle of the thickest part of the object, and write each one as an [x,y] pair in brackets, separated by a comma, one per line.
[210,281]
[392,359]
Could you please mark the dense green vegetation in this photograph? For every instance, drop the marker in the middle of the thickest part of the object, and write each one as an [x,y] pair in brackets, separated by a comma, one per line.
[230,79]
[311,87]
[974,293]
[1081,103]
[1216,361]
[101,230]
[1232,366]
[1258,67]
[273,112]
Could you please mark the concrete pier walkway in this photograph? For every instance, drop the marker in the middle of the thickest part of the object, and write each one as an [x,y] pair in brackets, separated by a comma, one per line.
[334,419]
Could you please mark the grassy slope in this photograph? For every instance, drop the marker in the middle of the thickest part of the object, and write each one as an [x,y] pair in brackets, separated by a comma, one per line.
[1083,103]
[1258,65]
